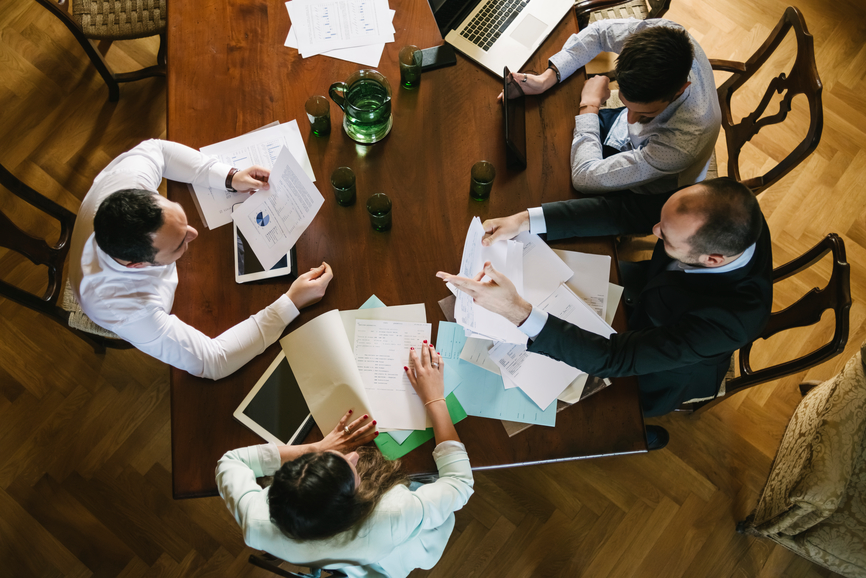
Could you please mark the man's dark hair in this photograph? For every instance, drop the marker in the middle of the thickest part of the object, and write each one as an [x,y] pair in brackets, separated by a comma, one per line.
[125,224]
[654,64]
[732,217]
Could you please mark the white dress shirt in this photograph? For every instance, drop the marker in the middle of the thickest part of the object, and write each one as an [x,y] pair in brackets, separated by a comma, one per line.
[533,324]
[670,151]
[136,303]
[407,529]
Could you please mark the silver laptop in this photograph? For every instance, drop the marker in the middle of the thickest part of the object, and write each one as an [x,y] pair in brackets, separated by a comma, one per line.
[498,33]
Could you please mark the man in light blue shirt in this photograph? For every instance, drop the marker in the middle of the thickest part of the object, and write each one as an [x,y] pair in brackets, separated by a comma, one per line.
[663,138]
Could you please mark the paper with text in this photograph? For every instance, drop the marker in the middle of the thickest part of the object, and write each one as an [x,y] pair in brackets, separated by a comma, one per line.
[543,270]
[475,351]
[272,221]
[539,376]
[368,55]
[591,276]
[381,351]
[323,25]
[260,147]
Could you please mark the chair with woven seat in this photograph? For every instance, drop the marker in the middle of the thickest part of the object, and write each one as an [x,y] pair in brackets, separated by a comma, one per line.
[589,11]
[807,311]
[40,252]
[109,20]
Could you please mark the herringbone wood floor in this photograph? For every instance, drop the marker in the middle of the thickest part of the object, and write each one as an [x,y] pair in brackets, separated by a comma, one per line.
[84,439]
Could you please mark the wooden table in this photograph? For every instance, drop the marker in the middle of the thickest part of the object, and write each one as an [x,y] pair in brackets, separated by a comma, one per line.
[228,74]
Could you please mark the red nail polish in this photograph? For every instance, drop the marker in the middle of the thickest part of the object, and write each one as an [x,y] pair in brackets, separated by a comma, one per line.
[425,341]
[377,435]
[365,416]
[350,412]
[406,368]
[374,422]
[431,345]
[412,348]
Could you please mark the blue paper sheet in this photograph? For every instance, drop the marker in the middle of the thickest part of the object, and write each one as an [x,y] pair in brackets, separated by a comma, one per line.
[482,393]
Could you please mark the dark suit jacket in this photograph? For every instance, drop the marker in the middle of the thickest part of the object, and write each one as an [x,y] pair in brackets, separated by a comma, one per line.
[684,327]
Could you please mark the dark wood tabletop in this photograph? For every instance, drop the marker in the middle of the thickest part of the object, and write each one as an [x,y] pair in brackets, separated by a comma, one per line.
[229,73]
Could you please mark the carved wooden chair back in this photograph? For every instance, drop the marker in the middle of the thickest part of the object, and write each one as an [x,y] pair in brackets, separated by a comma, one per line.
[803,79]
[589,11]
[835,296]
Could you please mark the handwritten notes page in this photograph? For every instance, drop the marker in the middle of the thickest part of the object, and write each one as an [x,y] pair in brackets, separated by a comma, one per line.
[260,147]
[381,351]
[272,221]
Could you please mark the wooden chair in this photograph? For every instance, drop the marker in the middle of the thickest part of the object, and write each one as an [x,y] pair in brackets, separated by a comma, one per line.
[589,11]
[803,79]
[835,296]
[272,564]
[53,257]
[110,20]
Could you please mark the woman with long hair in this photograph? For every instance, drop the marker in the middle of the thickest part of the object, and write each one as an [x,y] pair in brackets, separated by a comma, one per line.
[352,511]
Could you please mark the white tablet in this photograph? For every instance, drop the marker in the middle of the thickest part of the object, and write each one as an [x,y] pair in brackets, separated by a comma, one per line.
[248,268]
[275,408]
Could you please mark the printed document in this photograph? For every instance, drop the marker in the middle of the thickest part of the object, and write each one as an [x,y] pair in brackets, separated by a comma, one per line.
[272,221]
[323,25]
[259,147]
[381,351]
[507,258]
[591,275]
[368,55]
[543,270]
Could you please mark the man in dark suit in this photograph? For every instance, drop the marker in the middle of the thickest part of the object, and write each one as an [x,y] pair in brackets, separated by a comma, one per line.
[706,292]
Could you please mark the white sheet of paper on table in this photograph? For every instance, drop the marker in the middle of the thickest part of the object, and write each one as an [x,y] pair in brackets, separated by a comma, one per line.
[591,276]
[322,25]
[273,220]
[563,303]
[368,55]
[476,351]
[381,350]
[540,377]
[507,258]
[259,147]
[543,270]
[614,294]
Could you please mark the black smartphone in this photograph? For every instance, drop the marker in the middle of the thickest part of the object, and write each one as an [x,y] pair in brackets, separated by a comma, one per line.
[437,57]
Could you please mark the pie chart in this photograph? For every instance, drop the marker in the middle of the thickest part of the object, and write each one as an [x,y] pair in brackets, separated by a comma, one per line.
[262,220]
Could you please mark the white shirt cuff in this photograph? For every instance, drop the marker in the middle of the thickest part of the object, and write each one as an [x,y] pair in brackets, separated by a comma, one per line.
[534,323]
[537,224]
[286,309]
[268,460]
[217,176]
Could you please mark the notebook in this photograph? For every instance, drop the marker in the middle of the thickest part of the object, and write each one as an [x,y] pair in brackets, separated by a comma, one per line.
[498,33]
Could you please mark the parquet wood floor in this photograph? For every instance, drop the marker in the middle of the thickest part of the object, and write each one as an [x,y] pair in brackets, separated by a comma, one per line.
[85,484]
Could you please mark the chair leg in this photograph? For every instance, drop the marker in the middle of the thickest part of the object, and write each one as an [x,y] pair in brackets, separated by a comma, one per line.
[163,49]
[807,386]
[101,67]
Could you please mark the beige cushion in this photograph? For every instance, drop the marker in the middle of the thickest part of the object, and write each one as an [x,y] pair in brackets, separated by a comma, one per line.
[815,499]
[77,318]
[634,9]
[120,19]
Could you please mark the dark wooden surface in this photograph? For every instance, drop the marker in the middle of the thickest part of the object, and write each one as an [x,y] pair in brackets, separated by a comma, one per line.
[229,74]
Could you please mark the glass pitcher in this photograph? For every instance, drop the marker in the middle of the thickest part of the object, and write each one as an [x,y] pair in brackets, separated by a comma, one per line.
[365,98]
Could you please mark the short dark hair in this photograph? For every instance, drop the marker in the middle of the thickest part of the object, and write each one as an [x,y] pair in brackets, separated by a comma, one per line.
[125,224]
[314,496]
[654,64]
[732,217]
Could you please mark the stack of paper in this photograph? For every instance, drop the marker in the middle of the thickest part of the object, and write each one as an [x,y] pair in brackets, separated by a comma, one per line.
[352,30]
[491,356]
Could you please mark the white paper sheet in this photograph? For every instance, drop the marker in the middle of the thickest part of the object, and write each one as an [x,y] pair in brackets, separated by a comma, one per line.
[614,294]
[273,220]
[259,147]
[476,351]
[543,270]
[507,258]
[563,303]
[369,55]
[323,25]
[591,276]
[381,350]
[539,376]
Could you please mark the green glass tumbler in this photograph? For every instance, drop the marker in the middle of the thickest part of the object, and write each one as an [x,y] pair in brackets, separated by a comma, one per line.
[410,58]
[481,182]
[379,209]
[319,113]
[343,182]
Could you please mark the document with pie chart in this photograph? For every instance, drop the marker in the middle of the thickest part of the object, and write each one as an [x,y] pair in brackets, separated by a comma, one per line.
[272,221]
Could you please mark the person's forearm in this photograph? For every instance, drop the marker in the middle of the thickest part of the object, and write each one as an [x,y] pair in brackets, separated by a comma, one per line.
[289,453]
[443,427]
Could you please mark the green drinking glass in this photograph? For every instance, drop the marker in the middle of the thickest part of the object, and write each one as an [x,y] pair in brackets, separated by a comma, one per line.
[379,209]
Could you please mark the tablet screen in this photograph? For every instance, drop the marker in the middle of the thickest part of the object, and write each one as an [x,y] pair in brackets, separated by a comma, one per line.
[276,405]
[249,268]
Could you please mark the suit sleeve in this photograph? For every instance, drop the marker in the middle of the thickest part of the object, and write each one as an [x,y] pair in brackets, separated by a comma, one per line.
[615,214]
[696,338]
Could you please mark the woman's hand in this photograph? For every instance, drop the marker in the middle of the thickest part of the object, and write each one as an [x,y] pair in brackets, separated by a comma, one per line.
[426,372]
[345,438]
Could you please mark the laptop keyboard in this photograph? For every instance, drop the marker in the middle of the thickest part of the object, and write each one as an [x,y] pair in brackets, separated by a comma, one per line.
[491,21]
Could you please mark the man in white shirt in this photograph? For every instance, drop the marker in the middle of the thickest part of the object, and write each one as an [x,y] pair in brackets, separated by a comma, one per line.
[125,246]
[706,292]
[664,137]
